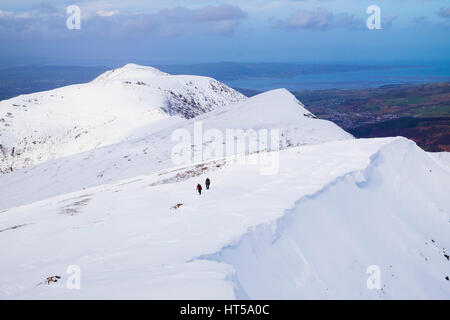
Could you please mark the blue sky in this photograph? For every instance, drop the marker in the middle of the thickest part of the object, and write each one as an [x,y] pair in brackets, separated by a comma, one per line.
[189,31]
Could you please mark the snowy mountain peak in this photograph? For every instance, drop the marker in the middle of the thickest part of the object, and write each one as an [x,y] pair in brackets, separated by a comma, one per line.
[129,72]
[281,99]
[43,126]
[276,109]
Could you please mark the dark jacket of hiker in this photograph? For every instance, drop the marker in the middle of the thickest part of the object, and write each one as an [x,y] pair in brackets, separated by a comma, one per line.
[199,189]
[207,183]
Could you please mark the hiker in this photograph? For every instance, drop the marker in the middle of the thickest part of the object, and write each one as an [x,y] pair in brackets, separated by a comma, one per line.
[207,183]
[199,188]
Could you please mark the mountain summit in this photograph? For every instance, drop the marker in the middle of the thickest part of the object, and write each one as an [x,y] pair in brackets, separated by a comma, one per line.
[42,126]
[131,72]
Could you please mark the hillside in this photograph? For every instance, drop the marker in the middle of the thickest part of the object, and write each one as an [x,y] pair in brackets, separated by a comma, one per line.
[432,134]
[420,112]
[42,126]
[151,148]
[309,231]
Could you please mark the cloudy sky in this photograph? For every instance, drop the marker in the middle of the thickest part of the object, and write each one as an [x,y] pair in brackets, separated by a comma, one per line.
[185,31]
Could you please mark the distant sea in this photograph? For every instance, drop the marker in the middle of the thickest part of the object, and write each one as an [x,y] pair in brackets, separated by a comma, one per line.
[349,80]
[250,78]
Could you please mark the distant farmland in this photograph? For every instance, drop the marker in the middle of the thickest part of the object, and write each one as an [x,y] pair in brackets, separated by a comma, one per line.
[418,112]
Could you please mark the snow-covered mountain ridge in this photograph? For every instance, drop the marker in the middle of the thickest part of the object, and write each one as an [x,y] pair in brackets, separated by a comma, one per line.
[309,231]
[150,150]
[42,126]
[129,218]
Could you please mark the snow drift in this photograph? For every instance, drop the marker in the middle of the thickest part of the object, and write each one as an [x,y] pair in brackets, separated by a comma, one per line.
[323,246]
[309,231]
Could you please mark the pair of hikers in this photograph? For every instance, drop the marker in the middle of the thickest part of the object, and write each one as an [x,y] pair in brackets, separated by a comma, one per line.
[199,186]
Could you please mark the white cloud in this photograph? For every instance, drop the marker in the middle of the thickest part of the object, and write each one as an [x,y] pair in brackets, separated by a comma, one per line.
[319,19]
[49,21]
[6,14]
[102,13]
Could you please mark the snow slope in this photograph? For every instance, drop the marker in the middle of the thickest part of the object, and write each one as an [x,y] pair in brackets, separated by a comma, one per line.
[42,126]
[151,148]
[309,231]
[113,203]
[443,158]
[381,216]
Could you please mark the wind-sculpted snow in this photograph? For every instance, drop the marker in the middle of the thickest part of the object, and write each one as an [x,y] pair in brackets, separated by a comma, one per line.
[43,126]
[309,231]
[381,216]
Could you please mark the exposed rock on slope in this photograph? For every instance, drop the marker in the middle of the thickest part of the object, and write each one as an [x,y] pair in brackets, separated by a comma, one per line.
[42,126]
